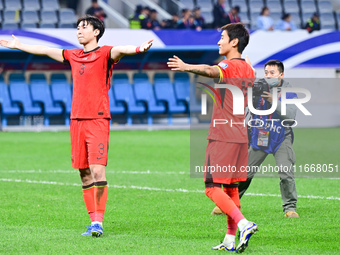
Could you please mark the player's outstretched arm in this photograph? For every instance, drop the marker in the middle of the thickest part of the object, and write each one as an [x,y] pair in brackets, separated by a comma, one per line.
[120,51]
[177,64]
[54,53]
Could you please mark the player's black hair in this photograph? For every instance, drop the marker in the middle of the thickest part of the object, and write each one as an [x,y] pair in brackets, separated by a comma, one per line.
[237,30]
[277,63]
[264,8]
[95,22]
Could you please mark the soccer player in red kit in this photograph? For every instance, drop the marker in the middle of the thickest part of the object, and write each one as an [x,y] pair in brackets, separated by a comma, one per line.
[228,144]
[90,113]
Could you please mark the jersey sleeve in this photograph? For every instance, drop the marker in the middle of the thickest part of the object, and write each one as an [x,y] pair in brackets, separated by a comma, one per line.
[110,55]
[224,69]
[66,55]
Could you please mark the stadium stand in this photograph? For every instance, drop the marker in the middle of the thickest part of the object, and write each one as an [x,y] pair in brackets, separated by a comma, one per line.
[49,19]
[61,93]
[165,92]
[7,107]
[41,94]
[31,5]
[67,18]
[115,107]
[50,5]
[144,93]
[327,21]
[20,93]
[123,93]
[13,5]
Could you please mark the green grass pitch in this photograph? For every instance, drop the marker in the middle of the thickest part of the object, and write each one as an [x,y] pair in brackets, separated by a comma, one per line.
[42,209]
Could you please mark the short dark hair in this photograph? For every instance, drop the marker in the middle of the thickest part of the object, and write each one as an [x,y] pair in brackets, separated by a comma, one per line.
[237,30]
[277,63]
[264,8]
[95,22]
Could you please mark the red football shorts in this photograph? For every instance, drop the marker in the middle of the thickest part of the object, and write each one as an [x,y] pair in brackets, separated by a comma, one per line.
[89,142]
[225,162]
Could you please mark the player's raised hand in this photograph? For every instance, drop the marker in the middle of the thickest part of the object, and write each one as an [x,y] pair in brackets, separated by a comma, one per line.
[176,64]
[146,46]
[14,44]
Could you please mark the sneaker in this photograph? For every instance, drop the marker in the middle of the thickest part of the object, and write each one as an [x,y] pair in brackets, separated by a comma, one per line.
[96,230]
[292,214]
[224,247]
[88,231]
[245,234]
[217,211]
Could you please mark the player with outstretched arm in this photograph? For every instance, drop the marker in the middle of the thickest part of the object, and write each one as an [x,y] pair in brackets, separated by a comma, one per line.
[227,146]
[90,113]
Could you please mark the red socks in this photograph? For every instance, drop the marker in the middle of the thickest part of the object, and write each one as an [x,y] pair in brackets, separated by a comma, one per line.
[95,197]
[228,203]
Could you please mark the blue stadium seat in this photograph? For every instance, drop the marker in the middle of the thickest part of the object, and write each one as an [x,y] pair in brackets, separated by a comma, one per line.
[165,92]
[48,17]
[31,5]
[188,3]
[13,5]
[208,16]
[41,93]
[115,107]
[47,25]
[327,21]
[144,93]
[274,6]
[10,26]
[308,6]
[61,93]
[11,16]
[185,92]
[67,18]
[206,5]
[123,93]
[296,19]
[7,107]
[20,93]
[50,5]
[276,16]
[291,6]
[30,17]
[244,18]
[256,6]
[1,5]
[28,25]
[325,7]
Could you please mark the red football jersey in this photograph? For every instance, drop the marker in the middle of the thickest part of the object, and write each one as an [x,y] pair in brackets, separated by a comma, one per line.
[231,128]
[91,73]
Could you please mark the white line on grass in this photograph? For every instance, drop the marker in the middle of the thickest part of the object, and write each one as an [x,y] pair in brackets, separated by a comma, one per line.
[157,189]
[76,170]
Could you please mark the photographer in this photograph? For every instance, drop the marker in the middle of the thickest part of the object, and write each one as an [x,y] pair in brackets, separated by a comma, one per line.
[272,137]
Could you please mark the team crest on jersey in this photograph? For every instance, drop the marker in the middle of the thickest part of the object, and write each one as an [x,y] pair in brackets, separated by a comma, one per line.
[223,65]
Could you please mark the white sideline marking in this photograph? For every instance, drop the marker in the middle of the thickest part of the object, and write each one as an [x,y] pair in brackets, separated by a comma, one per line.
[158,189]
[76,171]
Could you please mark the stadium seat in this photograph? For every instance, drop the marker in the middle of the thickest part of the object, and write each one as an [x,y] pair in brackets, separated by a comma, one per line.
[10,26]
[308,6]
[276,16]
[48,18]
[61,93]
[47,25]
[305,17]
[244,18]
[327,21]
[274,6]
[11,16]
[31,5]
[165,92]
[253,20]
[144,93]
[256,6]
[13,5]
[325,7]
[28,25]
[188,4]
[7,107]
[1,6]
[19,92]
[206,5]
[30,17]
[67,18]
[123,93]
[50,5]
[41,93]
[185,92]
[291,6]
[115,107]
